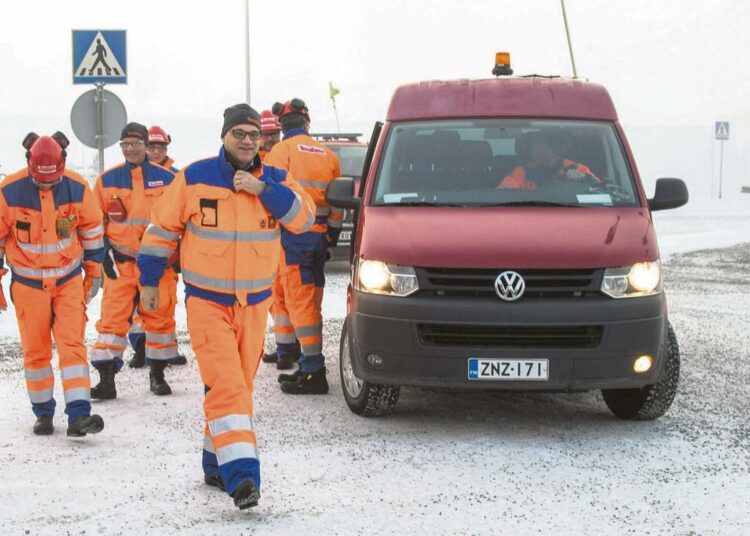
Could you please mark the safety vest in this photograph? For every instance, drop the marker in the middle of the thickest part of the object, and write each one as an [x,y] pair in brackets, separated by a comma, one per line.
[314,166]
[527,176]
[134,189]
[47,235]
[230,241]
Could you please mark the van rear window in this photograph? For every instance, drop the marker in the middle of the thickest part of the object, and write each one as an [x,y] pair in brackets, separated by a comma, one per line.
[504,162]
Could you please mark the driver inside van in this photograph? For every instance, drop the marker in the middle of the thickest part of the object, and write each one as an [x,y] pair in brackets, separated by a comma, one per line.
[546,165]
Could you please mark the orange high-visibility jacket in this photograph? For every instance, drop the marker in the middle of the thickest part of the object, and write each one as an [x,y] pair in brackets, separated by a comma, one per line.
[47,235]
[137,188]
[229,250]
[522,177]
[314,166]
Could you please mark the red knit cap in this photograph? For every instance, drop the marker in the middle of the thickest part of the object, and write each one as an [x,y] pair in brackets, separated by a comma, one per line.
[269,122]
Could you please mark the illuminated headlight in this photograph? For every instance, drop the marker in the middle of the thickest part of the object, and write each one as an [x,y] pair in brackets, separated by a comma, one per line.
[640,279]
[377,277]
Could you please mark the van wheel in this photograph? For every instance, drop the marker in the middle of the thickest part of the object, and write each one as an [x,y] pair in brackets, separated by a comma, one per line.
[652,401]
[362,397]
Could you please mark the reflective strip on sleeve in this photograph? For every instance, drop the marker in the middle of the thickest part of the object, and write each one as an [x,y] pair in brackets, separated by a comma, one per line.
[36,375]
[124,250]
[44,273]
[131,221]
[47,248]
[39,397]
[236,451]
[91,233]
[162,233]
[313,184]
[288,218]
[96,243]
[79,393]
[234,236]
[74,371]
[227,285]
[156,251]
[230,423]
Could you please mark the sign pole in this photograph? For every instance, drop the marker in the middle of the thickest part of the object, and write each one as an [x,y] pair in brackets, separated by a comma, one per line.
[247,51]
[721,165]
[100,124]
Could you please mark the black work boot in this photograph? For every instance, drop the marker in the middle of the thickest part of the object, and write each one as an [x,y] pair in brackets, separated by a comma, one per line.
[307,383]
[293,377]
[246,495]
[159,385]
[180,360]
[43,425]
[90,424]
[270,358]
[139,358]
[105,389]
[285,362]
[215,481]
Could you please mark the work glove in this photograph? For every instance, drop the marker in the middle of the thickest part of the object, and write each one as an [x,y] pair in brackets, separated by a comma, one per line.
[3,303]
[109,265]
[92,280]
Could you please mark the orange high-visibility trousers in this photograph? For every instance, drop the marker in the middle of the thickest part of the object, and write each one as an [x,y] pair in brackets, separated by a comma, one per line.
[228,344]
[119,297]
[42,314]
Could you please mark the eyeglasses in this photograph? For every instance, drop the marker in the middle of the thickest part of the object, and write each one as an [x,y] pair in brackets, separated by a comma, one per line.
[272,134]
[239,134]
[130,144]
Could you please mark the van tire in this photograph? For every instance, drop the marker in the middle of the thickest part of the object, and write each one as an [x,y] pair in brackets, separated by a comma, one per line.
[652,401]
[363,398]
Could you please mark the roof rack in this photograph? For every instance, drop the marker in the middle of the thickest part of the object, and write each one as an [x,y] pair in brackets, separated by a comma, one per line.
[350,136]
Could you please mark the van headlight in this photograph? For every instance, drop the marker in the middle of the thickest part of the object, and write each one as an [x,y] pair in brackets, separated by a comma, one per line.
[377,277]
[639,279]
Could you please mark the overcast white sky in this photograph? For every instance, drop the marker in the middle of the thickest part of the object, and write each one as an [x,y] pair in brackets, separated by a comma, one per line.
[677,63]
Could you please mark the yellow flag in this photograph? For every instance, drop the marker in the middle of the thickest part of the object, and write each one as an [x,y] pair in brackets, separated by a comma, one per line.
[332,91]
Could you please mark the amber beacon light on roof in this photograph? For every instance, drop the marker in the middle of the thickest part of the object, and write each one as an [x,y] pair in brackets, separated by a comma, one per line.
[502,64]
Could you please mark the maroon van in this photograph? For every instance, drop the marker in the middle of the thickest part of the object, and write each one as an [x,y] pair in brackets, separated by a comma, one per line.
[503,240]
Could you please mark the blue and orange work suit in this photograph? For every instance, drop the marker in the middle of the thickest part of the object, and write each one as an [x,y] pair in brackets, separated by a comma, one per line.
[137,331]
[298,288]
[46,259]
[135,189]
[528,176]
[229,252]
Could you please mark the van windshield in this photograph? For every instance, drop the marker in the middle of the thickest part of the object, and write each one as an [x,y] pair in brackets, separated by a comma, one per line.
[504,162]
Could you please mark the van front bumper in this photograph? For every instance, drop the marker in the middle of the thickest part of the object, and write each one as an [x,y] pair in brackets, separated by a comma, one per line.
[394,329]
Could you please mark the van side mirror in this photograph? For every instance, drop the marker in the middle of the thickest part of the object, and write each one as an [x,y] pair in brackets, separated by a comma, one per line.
[669,193]
[340,194]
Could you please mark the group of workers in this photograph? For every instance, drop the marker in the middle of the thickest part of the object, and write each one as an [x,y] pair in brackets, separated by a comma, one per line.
[248,229]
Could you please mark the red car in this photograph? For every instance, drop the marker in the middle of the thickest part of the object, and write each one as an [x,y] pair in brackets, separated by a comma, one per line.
[503,240]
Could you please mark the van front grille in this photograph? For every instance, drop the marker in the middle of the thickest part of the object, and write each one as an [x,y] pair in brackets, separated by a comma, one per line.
[509,336]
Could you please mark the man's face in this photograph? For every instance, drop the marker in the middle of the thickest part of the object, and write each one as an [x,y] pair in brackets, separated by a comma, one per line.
[269,139]
[544,155]
[242,143]
[134,150]
[157,152]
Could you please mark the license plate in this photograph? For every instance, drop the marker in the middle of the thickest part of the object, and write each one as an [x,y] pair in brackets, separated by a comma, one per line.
[508,369]
[345,236]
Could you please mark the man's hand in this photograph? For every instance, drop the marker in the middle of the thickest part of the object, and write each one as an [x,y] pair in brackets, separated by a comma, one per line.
[3,303]
[575,175]
[150,298]
[244,181]
[91,286]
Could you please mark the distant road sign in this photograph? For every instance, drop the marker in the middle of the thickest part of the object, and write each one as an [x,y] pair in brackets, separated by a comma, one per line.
[99,56]
[83,118]
[721,130]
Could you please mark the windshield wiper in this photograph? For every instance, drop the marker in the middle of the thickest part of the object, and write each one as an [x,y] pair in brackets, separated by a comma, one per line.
[531,204]
[420,204]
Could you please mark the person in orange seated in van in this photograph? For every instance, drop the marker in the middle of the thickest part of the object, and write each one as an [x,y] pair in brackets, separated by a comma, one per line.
[546,165]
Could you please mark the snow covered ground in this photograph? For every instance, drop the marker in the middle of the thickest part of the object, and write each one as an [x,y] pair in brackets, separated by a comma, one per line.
[446,462]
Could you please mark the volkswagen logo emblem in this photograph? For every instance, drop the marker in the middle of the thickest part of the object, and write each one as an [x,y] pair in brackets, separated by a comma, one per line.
[510,286]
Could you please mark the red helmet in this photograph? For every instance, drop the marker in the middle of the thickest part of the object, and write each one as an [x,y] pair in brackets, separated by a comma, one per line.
[46,160]
[156,134]
[294,106]
[269,122]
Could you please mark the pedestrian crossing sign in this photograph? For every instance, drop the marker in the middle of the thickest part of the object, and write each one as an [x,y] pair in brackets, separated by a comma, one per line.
[99,56]
[721,130]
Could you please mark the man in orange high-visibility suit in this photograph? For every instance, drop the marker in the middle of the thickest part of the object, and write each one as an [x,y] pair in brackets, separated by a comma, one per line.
[158,141]
[126,194]
[226,211]
[298,289]
[50,227]
[270,132]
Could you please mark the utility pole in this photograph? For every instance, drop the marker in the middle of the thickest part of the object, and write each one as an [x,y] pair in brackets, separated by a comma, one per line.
[247,51]
[570,44]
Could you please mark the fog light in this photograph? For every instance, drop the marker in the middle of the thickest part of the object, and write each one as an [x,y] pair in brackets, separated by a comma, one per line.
[375,360]
[643,364]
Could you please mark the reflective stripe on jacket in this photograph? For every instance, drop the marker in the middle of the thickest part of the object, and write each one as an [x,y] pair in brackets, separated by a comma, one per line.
[138,188]
[313,166]
[46,235]
[229,250]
